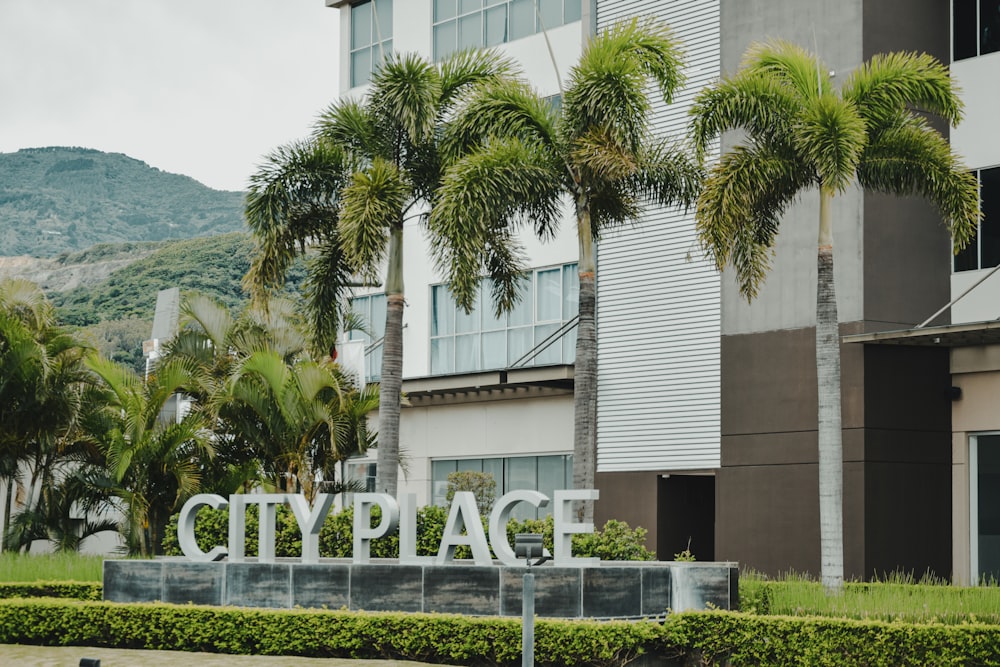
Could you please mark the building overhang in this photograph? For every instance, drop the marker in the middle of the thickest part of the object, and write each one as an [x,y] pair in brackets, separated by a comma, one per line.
[949,335]
[489,385]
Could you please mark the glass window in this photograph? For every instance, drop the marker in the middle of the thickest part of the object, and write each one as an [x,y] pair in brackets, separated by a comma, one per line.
[989,26]
[371,38]
[445,38]
[439,480]
[465,342]
[522,18]
[546,474]
[549,295]
[983,251]
[371,309]
[496,25]
[572,11]
[551,13]
[443,315]
[476,23]
[989,231]
[444,10]
[975,28]
[470,31]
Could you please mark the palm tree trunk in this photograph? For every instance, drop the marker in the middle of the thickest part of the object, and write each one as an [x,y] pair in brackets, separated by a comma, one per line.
[585,369]
[831,462]
[391,383]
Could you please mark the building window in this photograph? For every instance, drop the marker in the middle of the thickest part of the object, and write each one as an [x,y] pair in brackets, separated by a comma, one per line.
[371,38]
[983,251]
[371,309]
[975,26]
[465,342]
[536,473]
[460,24]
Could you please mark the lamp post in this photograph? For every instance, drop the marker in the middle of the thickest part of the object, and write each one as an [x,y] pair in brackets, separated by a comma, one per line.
[528,546]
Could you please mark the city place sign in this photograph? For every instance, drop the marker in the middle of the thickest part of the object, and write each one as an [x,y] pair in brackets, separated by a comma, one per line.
[463,517]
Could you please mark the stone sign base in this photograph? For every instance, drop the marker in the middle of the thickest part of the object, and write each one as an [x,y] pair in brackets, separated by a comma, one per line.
[613,590]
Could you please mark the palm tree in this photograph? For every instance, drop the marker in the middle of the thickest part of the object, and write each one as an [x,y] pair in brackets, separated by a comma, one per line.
[152,459]
[370,165]
[802,133]
[281,418]
[42,381]
[523,156]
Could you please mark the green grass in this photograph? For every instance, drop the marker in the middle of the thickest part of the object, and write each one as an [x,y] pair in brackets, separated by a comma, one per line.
[898,598]
[50,567]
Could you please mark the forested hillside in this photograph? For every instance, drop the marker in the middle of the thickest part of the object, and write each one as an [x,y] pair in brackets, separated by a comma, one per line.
[55,200]
[213,266]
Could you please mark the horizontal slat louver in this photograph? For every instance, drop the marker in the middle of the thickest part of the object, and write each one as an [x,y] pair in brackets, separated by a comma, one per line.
[658,295]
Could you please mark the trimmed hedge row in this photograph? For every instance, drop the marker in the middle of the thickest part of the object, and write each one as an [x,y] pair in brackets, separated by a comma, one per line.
[53,589]
[707,638]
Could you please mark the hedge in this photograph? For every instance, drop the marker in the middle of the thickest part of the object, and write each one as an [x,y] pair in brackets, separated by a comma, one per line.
[53,589]
[695,638]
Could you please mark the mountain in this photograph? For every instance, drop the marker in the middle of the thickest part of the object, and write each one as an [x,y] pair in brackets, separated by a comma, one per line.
[55,200]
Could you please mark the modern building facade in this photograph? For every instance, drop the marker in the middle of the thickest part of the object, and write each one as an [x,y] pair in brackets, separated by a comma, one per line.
[475,402]
[707,407]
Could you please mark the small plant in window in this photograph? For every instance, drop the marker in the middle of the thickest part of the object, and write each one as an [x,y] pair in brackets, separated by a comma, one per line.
[482,485]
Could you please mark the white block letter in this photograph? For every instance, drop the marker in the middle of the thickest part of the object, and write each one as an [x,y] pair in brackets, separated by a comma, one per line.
[464,514]
[310,523]
[501,515]
[565,528]
[185,527]
[363,531]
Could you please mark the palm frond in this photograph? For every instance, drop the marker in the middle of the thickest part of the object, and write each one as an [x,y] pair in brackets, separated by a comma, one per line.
[505,183]
[405,95]
[667,175]
[797,70]
[328,280]
[759,105]
[740,207]
[349,124]
[506,109]
[372,204]
[830,136]
[469,68]
[891,82]
[293,199]
[913,158]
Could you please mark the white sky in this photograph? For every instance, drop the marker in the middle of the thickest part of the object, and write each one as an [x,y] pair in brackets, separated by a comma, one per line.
[203,88]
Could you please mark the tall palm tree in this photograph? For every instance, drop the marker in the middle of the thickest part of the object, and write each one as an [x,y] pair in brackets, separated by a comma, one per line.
[524,156]
[800,132]
[370,165]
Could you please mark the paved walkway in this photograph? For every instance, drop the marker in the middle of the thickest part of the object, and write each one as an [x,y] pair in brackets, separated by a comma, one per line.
[44,656]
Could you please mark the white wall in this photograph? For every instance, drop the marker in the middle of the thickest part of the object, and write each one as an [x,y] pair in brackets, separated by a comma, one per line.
[516,427]
[977,142]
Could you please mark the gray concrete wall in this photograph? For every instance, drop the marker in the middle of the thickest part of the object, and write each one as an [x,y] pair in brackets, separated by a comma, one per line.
[788,298]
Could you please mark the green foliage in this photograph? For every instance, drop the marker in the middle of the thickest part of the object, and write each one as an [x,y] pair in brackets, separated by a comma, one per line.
[213,266]
[617,541]
[704,638]
[18,567]
[482,485]
[60,200]
[882,600]
[70,590]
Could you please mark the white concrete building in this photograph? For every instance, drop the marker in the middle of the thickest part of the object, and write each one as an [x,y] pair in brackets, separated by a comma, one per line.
[471,405]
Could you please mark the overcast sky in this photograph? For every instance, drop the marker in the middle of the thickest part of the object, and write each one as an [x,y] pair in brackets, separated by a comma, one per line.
[203,88]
